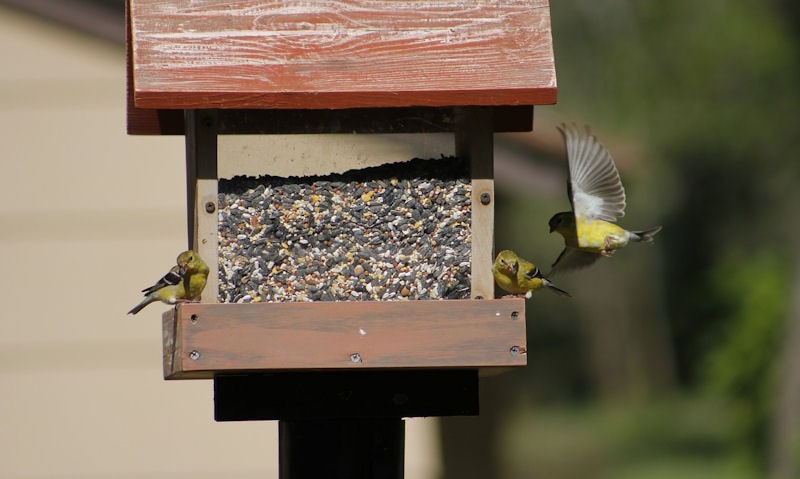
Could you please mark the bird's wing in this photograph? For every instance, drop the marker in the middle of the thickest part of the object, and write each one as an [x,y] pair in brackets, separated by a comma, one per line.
[594,187]
[531,271]
[172,278]
[573,258]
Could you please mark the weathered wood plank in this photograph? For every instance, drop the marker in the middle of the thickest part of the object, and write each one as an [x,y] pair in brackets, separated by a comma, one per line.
[341,53]
[216,338]
[474,140]
[143,121]
[206,236]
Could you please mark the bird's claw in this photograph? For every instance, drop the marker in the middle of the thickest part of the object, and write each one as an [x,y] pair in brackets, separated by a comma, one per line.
[608,250]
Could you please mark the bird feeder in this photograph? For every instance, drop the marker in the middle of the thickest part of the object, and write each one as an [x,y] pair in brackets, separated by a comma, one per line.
[290,341]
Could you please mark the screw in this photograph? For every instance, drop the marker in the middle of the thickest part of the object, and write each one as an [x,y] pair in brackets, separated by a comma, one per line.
[194,354]
[210,207]
[486,198]
[193,319]
[514,314]
[515,350]
[355,357]
[479,297]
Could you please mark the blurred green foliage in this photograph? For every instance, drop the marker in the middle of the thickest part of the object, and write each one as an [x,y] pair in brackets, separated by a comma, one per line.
[742,368]
[709,92]
[675,436]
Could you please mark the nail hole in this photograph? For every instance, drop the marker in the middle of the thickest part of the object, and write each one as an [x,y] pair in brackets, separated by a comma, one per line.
[193,319]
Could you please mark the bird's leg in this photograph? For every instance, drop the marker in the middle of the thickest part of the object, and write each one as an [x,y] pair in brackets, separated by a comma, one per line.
[608,250]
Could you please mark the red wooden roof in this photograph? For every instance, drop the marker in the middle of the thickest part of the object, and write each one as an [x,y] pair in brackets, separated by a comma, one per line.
[332,54]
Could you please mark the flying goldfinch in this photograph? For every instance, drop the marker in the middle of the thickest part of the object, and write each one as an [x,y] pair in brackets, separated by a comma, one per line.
[172,288]
[519,276]
[597,198]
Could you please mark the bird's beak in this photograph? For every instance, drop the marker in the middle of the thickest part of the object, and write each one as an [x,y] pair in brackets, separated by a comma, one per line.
[515,267]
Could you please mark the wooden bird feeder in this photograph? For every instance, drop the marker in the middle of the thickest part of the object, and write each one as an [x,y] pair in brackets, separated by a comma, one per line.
[331,370]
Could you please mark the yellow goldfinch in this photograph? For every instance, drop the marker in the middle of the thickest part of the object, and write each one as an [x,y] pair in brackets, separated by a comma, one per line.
[597,198]
[194,274]
[519,276]
[191,270]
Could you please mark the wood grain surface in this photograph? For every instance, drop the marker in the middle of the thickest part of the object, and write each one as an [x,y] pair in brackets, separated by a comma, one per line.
[340,54]
[203,339]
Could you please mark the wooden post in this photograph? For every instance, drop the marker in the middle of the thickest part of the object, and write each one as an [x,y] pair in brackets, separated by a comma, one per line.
[344,424]
[474,136]
[201,191]
[342,448]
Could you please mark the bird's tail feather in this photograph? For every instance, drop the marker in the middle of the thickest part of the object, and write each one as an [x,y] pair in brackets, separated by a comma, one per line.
[646,236]
[554,288]
[141,305]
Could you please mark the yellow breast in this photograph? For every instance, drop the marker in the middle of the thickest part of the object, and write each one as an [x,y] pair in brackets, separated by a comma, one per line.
[507,282]
[597,235]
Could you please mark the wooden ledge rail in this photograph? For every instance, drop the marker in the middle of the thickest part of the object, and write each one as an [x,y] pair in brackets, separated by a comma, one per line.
[201,340]
[333,54]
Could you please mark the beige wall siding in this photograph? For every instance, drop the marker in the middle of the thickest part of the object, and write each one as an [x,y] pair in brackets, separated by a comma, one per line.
[89,216]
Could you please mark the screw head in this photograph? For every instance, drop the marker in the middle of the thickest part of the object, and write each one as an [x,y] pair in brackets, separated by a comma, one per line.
[210,207]
[355,357]
[194,355]
[193,319]
[514,314]
[486,198]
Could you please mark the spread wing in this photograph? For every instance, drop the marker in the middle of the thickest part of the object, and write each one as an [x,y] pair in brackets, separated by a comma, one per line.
[594,187]
[573,258]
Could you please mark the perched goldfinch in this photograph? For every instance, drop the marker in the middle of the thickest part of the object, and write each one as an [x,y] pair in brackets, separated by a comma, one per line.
[194,272]
[191,270]
[597,198]
[519,276]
